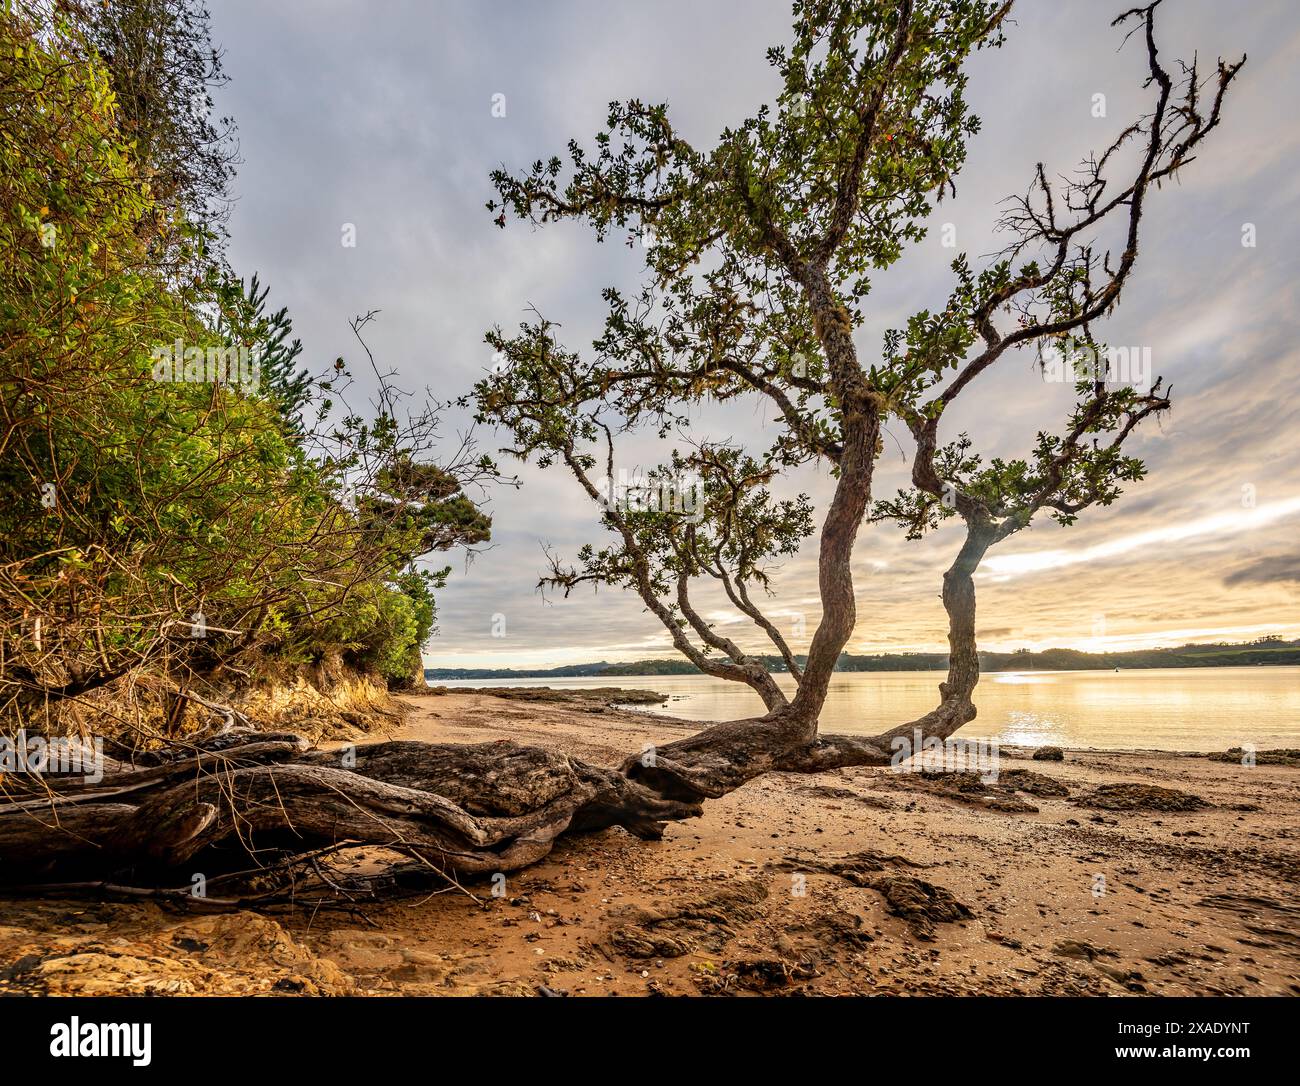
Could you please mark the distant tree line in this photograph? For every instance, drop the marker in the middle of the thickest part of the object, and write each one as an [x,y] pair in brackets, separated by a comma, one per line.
[1269,650]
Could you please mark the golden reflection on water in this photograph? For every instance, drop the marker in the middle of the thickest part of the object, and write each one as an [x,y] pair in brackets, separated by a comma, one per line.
[1166,708]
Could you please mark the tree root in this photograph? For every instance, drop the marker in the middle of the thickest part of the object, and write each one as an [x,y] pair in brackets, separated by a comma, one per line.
[470,809]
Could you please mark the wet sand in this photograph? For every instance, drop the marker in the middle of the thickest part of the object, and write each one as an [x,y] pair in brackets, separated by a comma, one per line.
[859,881]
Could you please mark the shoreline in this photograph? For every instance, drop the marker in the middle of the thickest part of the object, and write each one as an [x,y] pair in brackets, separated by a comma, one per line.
[1188,710]
[855,881]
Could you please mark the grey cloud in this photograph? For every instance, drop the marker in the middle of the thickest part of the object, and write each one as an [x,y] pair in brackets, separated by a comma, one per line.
[1281,569]
[379,115]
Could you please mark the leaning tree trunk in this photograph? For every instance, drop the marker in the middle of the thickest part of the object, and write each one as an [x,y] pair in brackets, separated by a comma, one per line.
[477,808]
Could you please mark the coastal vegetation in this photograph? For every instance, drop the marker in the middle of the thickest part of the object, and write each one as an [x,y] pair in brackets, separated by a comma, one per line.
[175,529]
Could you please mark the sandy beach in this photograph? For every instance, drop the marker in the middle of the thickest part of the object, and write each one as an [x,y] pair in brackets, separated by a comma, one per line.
[859,881]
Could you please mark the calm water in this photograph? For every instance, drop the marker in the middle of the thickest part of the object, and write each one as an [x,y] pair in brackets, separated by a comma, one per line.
[1166,708]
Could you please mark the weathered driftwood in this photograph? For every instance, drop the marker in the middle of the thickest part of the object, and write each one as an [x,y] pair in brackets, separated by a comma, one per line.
[476,808]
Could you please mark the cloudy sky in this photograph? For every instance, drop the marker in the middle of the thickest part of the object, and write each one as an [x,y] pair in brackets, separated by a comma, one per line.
[379,114]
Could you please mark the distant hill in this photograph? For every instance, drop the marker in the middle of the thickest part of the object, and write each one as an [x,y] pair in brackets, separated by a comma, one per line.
[1268,650]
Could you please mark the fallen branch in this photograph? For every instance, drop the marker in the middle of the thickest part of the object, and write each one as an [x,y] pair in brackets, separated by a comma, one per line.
[469,809]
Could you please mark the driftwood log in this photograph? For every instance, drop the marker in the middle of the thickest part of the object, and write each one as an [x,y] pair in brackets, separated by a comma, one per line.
[482,808]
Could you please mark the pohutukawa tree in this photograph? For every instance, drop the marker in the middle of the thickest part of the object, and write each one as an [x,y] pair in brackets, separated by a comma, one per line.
[762,258]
